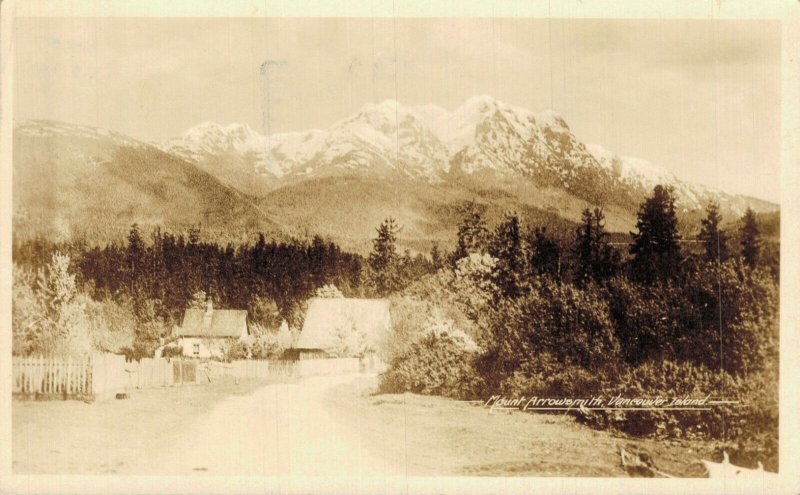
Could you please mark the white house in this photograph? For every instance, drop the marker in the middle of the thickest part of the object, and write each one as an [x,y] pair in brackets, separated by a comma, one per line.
[206,333]
[345,327]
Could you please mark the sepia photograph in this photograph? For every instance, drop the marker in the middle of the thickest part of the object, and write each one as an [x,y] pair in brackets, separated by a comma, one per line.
[383,248]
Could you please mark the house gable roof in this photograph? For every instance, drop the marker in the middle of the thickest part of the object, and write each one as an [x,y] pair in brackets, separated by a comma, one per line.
[220,323]
[325,316]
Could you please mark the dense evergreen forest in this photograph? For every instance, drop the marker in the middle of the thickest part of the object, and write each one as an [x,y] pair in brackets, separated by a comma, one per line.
[156,277]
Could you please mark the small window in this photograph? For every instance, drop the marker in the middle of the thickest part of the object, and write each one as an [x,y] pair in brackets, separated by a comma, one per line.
[196,349]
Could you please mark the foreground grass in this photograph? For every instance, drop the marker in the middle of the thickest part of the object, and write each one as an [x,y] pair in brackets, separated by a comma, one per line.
[109,436]
[437,436]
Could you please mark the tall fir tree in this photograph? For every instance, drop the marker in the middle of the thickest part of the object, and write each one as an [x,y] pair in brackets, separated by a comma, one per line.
[135,263]
[507,248]
[596,259]
[655,249]
[714,239]
[544,254]
[751,242]
[135,251]
[384,260]
[472,233]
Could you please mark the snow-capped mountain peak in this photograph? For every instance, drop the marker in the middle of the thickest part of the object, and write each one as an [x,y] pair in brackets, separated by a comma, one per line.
[428,142]
[236,143]
[238,136]
[631,168]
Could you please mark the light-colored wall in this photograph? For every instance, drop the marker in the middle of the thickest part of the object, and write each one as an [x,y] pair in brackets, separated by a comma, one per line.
[208,347]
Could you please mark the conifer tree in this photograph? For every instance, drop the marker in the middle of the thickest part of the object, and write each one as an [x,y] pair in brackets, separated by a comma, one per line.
[135,252]
[384,260]
[596,259]
[472,233]
[135,263]
[655,249]
[751,243]
[714,239]
[507,248]
[544,254]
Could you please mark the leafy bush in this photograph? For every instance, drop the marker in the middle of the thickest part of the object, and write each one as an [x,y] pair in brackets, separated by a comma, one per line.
[568,325]
[735,317]
[473,283]
[236,351]
[264,311]
[647,318]
[347,341]
[28,314]
[719,315]
[47,316]
[442,291]
[268,344]
[199,300]
[171,351]
[296,314]
[409,315]
[667,379]
[543,376]
[439,363]
[112,323]
[136,352]
[329,291]
[150,327]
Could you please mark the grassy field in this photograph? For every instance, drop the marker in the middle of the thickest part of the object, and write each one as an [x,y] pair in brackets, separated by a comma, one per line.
[438,436]
[109,436]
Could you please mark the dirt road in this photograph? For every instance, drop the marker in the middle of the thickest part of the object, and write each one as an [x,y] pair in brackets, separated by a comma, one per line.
[323,428]
[280,430]
[336,427]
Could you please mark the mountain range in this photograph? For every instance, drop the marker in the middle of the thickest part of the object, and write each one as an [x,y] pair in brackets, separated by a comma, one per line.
[418,164]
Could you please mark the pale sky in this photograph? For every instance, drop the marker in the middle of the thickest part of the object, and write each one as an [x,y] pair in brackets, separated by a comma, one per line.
[701,98]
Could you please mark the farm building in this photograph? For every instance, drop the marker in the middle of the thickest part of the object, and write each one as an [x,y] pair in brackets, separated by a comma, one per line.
[206,333]
[343,327]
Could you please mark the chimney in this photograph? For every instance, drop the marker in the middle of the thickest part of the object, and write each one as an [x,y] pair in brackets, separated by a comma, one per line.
[209,313]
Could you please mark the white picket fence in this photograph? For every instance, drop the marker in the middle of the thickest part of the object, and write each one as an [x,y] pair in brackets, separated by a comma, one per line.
[110,373]
[96,375]
[51,376]
[250,369]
